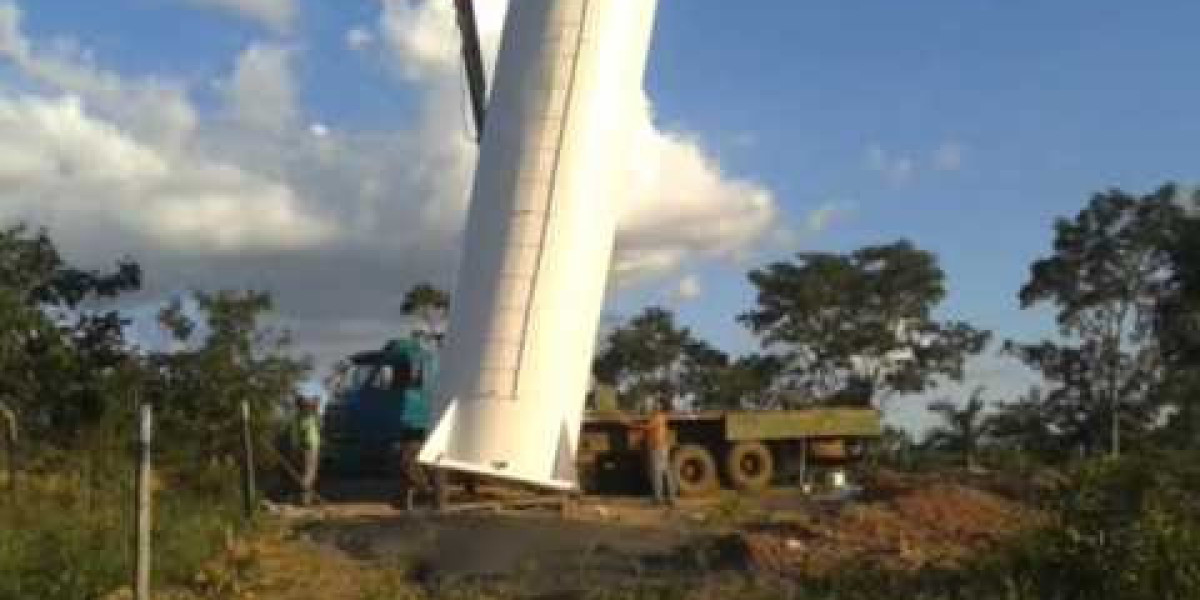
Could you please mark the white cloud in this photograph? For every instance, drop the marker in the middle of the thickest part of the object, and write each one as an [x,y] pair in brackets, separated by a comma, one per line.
[260,92]
[687,289]
[275,14]
[151,109]
[948,157]
[337,223]
[357,38]
[12,43]
[681,207]
[59,163]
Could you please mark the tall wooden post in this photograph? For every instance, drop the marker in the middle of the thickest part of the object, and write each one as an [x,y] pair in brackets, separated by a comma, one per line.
[141,579]
[8,430]
[248,484]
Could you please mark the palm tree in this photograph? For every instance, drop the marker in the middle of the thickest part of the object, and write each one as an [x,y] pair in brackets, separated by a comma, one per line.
[962,429]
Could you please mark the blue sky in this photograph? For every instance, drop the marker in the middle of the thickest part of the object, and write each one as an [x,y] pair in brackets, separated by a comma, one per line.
[966,126]
[1049,102]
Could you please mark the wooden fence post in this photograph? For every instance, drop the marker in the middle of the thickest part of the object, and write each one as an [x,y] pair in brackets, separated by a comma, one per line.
[141,582]
[8,429]
[248,484]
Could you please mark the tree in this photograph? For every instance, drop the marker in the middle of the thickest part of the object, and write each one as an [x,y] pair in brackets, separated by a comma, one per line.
[430,305]
[749,382]
[1178,332]
[227,357]
[962,428]
[58,350]
[652,357]
[1109,271]
[895,447]
[858,327]
[1027,426]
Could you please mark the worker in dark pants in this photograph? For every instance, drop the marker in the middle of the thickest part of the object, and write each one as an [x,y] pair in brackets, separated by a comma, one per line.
[414,478]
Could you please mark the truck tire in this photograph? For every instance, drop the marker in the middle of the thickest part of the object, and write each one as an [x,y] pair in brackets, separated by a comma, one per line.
[695,471]
[750,466]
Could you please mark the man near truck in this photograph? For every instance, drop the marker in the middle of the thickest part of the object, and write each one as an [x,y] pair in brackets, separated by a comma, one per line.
[657,433]
[306,442]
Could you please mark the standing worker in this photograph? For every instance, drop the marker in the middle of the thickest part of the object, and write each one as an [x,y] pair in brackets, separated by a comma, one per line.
[306,441]
[658,447]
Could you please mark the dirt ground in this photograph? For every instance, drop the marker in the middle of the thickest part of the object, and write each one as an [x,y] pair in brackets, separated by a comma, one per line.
[894,522]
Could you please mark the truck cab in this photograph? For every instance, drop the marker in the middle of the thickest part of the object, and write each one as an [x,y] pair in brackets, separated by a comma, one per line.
[379,398]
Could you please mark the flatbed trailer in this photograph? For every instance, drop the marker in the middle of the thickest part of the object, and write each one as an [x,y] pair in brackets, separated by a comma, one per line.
[742,449]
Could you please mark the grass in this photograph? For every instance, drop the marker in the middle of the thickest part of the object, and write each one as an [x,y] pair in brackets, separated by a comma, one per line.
[1126,530]
[68,530]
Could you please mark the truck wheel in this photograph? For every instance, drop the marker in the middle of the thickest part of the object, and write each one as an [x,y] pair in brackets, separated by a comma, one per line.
[695,471]
[750,466]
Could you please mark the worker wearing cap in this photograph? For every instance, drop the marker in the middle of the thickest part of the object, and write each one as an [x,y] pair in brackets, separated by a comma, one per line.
[306,437]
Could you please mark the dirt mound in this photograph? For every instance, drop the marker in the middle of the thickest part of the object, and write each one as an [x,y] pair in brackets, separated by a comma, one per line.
[937,525]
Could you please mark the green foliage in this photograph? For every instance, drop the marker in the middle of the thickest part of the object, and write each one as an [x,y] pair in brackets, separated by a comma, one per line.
[1110,271]
[839,322]
[1026,427]
[200,385]
[73,383]
[748,382]
[69,536]
[652,357]
[58,353]
[1178,330]
[962,429]
[1127,529]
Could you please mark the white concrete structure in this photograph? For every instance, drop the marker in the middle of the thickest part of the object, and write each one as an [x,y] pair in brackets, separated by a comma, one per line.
[553,165]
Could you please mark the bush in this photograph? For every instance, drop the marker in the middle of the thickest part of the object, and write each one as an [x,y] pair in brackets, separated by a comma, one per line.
[1127,529]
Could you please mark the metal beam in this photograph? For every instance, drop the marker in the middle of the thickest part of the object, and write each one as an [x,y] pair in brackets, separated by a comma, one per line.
[473,59]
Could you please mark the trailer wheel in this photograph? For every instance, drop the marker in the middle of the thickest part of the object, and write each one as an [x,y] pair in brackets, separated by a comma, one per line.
[750,466]
[695,471]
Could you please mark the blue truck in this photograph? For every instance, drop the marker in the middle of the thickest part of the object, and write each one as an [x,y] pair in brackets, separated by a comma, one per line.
[379,400]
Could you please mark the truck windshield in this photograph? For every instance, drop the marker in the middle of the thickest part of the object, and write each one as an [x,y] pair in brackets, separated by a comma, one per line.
[359,376]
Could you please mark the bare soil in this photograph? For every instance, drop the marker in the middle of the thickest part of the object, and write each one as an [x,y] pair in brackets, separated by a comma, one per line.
[897,522]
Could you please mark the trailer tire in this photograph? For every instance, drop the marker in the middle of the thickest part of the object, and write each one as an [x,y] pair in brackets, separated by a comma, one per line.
[695,471]
[750,466]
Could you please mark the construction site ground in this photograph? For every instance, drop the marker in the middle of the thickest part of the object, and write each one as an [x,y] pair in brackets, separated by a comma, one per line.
[358,540]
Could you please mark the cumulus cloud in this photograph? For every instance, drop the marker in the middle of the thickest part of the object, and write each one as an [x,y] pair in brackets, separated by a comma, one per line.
[681,206]
[338,223]
[151,109]
[260,93]
[61,164]
[275,14]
